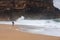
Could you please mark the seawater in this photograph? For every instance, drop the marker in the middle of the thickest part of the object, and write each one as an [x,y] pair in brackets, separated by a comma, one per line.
[47,27]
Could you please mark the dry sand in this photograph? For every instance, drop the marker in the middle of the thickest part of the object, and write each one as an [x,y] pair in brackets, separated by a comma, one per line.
[8,32]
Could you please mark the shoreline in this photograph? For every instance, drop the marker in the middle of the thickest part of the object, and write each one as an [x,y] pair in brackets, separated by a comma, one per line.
[12,34]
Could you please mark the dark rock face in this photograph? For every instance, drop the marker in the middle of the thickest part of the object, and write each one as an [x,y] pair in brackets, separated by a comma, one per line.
[42,5]
[41,9]
[30,9]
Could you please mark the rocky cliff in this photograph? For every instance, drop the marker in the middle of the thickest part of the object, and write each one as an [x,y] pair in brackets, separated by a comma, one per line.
[30,9]
[39,9]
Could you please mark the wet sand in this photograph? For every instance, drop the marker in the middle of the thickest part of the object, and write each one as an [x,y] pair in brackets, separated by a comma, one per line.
[9,32]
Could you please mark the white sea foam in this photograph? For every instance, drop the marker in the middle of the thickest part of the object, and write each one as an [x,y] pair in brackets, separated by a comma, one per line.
[46,27]
[56,3]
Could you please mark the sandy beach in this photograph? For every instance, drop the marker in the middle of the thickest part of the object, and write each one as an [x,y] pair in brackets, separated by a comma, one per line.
[9,32]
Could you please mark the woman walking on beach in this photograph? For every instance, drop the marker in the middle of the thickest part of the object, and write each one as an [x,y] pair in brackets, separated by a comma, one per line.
[12,23]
